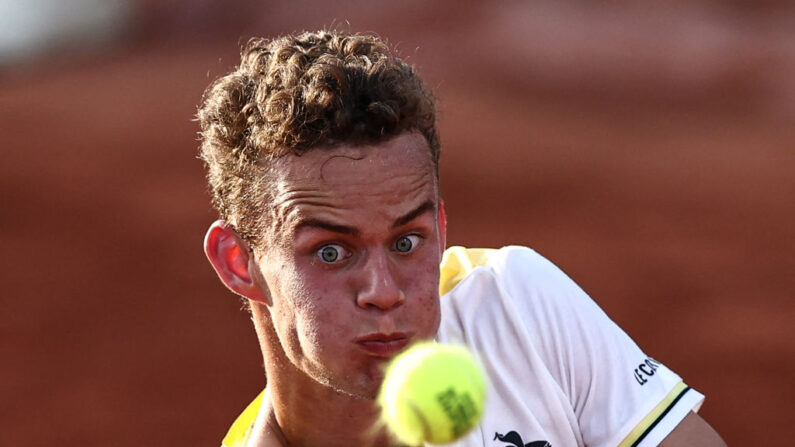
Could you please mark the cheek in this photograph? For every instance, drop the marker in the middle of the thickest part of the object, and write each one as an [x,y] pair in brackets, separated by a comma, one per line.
[300,330]
[425,285]
[291,308]
[310,306]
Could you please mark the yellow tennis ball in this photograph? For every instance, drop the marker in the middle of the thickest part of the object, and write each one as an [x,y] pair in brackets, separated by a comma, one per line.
[432,393]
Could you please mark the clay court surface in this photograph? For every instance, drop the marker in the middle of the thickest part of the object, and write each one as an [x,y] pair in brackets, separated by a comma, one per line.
[664,187]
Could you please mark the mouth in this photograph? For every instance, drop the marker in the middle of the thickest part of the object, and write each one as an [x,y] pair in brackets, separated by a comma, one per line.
[384,345]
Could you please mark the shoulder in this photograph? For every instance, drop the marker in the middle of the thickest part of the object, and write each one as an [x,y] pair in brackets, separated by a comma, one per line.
[516,279]
[511,287]
[520,313]
[511,263]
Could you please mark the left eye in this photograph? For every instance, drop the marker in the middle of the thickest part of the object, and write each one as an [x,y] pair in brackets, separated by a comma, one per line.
[406,243]
[332,253]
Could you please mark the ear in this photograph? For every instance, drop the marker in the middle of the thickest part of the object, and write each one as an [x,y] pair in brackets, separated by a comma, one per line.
[442,219]
[233,262]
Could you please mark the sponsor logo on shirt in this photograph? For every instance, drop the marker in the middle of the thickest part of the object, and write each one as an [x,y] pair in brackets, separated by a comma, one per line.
[646,370]
[515,440]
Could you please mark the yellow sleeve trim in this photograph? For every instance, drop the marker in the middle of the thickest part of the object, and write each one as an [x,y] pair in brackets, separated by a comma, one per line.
[238,432]
[457,262]
[652,418]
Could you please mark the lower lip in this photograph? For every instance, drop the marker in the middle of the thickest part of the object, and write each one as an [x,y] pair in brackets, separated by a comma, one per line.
[383,348]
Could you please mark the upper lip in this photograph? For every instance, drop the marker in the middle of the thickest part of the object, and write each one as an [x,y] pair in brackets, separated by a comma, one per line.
[381,337]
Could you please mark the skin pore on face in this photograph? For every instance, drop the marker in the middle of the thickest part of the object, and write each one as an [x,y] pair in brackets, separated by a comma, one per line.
[351,263]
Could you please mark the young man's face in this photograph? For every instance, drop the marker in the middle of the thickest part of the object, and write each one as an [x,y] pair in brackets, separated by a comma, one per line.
[352,262]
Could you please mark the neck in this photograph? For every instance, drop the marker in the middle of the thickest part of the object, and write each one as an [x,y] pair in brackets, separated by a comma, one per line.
[324,417]
[299,411]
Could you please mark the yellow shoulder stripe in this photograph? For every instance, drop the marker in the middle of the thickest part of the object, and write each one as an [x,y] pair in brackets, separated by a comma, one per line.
[457,262]
[238,432]
[654,416]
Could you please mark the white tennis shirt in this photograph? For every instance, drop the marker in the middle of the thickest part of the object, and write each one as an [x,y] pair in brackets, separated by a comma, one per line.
[560,373]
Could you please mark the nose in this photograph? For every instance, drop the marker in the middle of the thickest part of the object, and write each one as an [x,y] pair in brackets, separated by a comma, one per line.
[379,288]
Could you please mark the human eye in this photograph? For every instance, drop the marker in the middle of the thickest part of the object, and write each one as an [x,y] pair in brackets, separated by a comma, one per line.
[407,243]
[332,253]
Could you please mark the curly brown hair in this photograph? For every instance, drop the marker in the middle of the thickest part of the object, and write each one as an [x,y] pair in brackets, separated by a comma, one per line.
[296,93]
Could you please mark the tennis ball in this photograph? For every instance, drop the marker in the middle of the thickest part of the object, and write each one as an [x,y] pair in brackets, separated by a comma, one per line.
[432,393]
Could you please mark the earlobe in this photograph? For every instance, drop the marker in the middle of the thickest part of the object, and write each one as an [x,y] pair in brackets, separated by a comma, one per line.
[229,255]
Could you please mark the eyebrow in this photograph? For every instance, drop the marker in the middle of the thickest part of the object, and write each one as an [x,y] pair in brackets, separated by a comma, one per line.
[424,207]
[413,214]
[317,223]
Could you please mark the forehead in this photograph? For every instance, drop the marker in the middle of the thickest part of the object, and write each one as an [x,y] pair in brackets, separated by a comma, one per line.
[387,176]
[405,154]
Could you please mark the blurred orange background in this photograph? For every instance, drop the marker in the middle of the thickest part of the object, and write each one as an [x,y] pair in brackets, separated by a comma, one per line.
[647,149]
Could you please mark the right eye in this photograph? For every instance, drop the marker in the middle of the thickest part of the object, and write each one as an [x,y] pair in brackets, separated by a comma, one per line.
[332,253]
